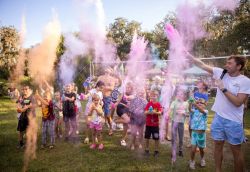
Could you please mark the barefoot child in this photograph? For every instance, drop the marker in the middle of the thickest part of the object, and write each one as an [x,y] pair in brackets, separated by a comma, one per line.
[96,121]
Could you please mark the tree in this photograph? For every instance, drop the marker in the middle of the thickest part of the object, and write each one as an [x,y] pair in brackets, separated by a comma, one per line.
[121,33]
[159,37]
[229,33]
[9,50]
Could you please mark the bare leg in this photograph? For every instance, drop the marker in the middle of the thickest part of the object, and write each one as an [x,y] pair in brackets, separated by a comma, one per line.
[146,144]
[193,151]
[238,158]
[202,152]
[125,131]
[218,154]
[156,145]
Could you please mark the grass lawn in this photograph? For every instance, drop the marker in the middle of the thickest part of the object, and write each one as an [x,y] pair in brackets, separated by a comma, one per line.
[78,157]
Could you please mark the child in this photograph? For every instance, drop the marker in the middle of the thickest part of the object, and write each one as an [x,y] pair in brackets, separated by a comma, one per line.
[198,126]
[48,119]
[152,111]
[96,121]
[137,118]
[122,110]
[178,113]
[24,107]
[69,112]
[200,93]
[57,109]
[97,90]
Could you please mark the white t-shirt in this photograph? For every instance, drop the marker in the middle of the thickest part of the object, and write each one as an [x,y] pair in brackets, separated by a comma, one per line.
[222,106]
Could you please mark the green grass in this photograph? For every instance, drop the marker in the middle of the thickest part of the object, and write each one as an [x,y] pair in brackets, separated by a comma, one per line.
[78,157]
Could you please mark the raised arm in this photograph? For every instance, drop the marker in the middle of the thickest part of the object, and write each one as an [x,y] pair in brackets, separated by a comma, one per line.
[200,63]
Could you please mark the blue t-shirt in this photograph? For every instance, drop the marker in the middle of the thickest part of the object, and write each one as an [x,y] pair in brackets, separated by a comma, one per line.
[198,120]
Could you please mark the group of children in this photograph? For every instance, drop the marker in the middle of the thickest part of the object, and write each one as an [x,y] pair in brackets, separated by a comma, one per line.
[137,109]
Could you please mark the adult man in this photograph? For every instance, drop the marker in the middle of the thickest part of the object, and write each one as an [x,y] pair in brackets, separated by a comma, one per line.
[232,91]
[109,84]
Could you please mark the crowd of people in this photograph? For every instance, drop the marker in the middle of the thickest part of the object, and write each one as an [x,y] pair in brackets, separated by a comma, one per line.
[140,109]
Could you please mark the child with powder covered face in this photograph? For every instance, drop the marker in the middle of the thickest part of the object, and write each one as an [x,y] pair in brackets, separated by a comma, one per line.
[137,117]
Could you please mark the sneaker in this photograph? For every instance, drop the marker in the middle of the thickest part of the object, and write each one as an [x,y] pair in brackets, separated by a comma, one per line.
[43,146]
[92,146]
[101,146]
[192,165]
[147,153]
[119,126]
[203,163]
[113,126]
[96,140]
[132,147]
[86,141]
[123,143]
[51,146]
[77,132]
[19,146]
[140,146]
[180,153]
[173,162]
[156,153]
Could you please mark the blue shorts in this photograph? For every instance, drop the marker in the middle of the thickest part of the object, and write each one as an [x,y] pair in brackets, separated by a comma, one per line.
[225,129]
[198,139]
[106,105]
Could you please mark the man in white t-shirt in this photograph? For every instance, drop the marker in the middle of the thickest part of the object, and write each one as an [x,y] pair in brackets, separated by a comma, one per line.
[232,91]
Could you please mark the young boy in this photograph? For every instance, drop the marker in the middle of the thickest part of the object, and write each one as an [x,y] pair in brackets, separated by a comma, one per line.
[152,111]
[25,107]
[198,126]
[48,119]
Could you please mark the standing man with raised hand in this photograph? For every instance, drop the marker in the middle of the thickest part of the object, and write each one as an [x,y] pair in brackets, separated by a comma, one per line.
[233,89]
[109,84]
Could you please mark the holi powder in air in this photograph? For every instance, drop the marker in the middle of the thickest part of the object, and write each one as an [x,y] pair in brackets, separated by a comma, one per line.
[19,70]
[43,55]
[135,65]
[190,28]
[31,142]
[91,38]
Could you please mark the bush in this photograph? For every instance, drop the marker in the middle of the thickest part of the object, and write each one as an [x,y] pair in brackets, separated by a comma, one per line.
[3,88]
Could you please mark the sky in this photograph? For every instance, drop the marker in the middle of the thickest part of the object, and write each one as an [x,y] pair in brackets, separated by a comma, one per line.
[39,13]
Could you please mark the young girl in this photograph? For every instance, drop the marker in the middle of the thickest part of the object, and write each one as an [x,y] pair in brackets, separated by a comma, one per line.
[48,119]
[122,110]
[96,120]
[178,113]
[57,109]
[97,90]
[137,118]
[198,126]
